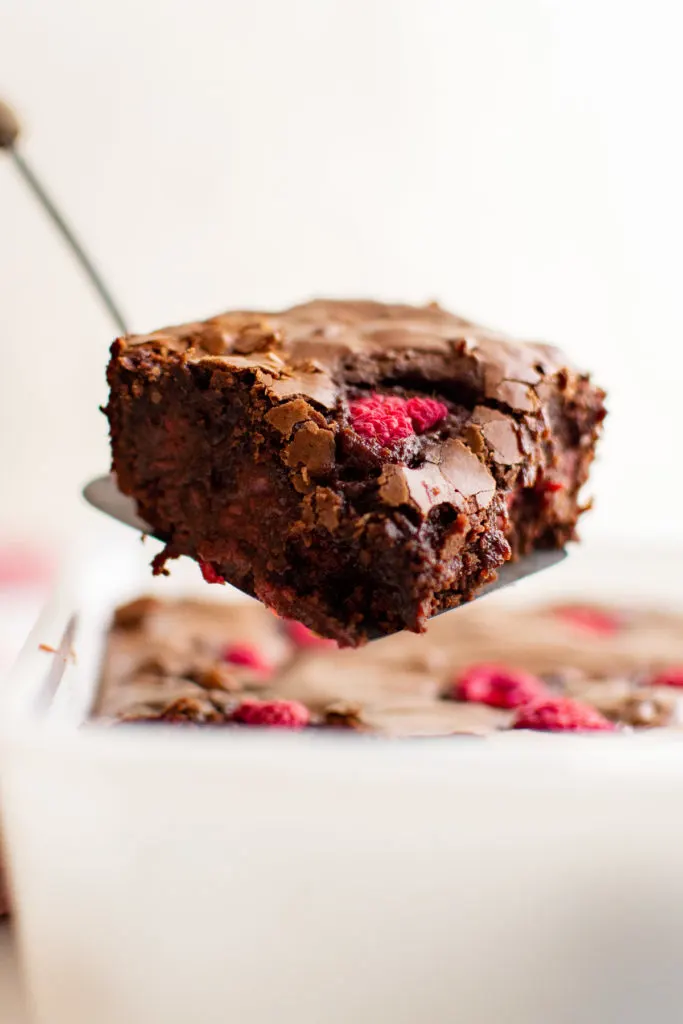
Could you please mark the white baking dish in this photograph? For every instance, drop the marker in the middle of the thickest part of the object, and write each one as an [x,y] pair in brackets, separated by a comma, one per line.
[168,876]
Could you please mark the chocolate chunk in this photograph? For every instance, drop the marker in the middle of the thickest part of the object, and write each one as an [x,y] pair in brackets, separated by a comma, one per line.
[286,416]
[312,447]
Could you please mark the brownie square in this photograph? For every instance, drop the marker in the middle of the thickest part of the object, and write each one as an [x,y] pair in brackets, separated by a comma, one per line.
[232,665]
[356,466]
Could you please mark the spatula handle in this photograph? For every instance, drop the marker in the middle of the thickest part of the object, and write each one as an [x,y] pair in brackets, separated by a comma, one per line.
[9,133]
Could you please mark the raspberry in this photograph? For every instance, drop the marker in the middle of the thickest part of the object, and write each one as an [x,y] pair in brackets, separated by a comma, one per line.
[388,419]
[247,657]
[561,714]
[591,619]
[425,413]
[278,714]
[672,676]
[302,636]
[210,574]
[381,419]
[498,686]
[545,487]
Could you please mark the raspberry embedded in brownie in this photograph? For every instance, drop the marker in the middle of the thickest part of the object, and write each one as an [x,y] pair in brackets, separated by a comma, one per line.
[356,466]
[498,685]
[561,714]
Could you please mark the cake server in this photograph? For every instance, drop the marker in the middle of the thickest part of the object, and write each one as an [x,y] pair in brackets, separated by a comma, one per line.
[9,135]
[103,493]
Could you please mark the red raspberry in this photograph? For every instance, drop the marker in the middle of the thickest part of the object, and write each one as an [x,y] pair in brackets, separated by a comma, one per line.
[210,574]
[382,419]
[247,657]
[561,714]
[545,487]
[594,620]
[498,686]
[302,636]
[278,714]
[425,413]
[672,676]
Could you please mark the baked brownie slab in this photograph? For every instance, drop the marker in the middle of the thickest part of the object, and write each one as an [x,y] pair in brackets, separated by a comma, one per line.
[356,466]
[486,670]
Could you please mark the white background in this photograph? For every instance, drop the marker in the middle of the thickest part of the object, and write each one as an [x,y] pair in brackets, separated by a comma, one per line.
[520,160]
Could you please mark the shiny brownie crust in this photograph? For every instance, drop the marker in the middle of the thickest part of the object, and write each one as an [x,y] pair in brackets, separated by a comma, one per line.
[241,440]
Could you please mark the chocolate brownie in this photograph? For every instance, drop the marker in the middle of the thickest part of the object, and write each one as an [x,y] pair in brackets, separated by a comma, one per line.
[356,466]
[484,671]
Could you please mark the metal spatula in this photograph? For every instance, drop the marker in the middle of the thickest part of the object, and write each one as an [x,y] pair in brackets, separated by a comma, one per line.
[9,137]
[103,493]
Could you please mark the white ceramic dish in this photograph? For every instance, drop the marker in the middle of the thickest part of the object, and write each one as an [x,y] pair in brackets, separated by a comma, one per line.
[164,876]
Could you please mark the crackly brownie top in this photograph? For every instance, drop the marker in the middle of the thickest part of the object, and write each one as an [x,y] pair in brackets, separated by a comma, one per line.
[384,424]
[308,349]
[484,670]
[313,360]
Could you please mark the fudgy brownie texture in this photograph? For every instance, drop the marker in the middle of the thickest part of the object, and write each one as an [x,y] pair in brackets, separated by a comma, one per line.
[486,670]
[356,466]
